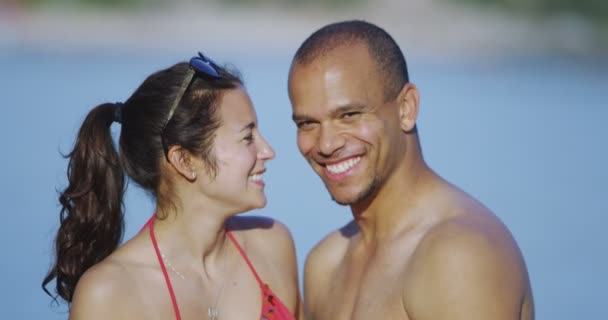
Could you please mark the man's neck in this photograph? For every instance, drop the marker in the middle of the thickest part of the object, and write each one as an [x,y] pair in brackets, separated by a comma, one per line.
[395,206]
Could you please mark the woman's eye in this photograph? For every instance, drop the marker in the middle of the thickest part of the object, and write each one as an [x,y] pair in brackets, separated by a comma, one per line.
[249,138]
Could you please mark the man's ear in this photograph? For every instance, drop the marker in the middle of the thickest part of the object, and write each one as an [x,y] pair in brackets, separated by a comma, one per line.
[408,101]
[181,159]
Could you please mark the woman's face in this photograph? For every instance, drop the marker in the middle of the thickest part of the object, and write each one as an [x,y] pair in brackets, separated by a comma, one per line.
[241,154]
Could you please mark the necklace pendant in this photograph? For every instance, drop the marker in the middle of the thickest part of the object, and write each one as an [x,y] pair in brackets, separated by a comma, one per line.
[213,313]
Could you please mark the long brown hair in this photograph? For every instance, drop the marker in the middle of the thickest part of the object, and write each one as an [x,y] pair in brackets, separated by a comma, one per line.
[91,216]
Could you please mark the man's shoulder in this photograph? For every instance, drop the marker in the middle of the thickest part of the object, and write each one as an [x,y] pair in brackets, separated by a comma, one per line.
[465,260]
[322,262]
[466,231]
[327,254]
[465,223]
[331,249]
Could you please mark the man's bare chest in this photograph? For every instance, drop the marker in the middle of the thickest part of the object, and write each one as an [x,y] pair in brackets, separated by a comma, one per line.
[371,290]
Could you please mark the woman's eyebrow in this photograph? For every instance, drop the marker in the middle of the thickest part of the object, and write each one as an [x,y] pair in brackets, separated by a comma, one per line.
[248,126]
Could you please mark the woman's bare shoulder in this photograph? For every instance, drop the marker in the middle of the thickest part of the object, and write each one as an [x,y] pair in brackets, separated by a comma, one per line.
[103,292]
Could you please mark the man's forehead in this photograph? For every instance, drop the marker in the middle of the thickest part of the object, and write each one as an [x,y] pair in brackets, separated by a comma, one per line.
[330,79]
[350,69]
[341,55]
[345,76]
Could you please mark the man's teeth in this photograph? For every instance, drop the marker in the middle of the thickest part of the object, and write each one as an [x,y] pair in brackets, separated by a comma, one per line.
[255,177]
[343,166]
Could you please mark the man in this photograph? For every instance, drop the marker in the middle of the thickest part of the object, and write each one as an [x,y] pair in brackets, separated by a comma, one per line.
[418,247]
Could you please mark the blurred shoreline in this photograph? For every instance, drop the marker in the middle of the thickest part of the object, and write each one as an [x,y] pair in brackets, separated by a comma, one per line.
[430,30]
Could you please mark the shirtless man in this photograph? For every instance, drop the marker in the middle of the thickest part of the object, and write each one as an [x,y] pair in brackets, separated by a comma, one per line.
[418,247]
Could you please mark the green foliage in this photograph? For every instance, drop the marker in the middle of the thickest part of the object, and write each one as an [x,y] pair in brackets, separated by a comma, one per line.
[99,4]
[121,4]
[594,10]
[328,4]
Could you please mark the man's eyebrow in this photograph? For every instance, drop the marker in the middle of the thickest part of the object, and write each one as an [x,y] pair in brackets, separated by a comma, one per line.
[248,126]
[351,107]
[298,117]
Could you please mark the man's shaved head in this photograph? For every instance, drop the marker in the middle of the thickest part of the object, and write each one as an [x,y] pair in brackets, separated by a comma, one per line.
[382,48]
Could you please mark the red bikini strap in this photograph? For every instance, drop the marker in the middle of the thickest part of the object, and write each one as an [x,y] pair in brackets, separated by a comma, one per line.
[150,225]
[238,246]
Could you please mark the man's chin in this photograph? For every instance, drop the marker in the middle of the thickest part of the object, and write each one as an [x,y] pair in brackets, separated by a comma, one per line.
[345,200]
[341,202]
[355,197]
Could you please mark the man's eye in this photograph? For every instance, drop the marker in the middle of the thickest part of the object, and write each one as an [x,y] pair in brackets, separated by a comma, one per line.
[350,114]
[249,138]
[304,124]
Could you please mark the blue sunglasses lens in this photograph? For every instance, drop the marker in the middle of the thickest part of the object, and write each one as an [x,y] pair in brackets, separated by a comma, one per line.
[203,66]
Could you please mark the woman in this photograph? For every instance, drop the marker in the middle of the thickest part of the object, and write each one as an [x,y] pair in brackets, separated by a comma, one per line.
[189,137]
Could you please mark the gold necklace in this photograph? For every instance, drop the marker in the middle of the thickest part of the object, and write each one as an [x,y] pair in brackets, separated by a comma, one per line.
[168,263]
[213,312]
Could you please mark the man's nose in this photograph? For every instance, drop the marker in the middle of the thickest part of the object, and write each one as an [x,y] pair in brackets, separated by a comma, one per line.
[330,140]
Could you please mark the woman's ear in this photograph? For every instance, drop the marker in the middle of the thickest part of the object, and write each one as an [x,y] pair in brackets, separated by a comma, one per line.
[182,160]
[408,101]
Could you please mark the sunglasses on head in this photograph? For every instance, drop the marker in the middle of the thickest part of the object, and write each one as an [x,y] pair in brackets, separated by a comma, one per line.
[200,66]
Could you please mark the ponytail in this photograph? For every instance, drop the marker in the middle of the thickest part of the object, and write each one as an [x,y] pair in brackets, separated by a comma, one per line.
[91,217]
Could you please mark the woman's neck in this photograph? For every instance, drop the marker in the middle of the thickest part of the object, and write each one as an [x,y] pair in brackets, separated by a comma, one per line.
[193,238]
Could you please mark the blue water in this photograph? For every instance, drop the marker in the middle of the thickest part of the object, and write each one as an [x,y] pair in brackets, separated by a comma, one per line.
[526,136]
